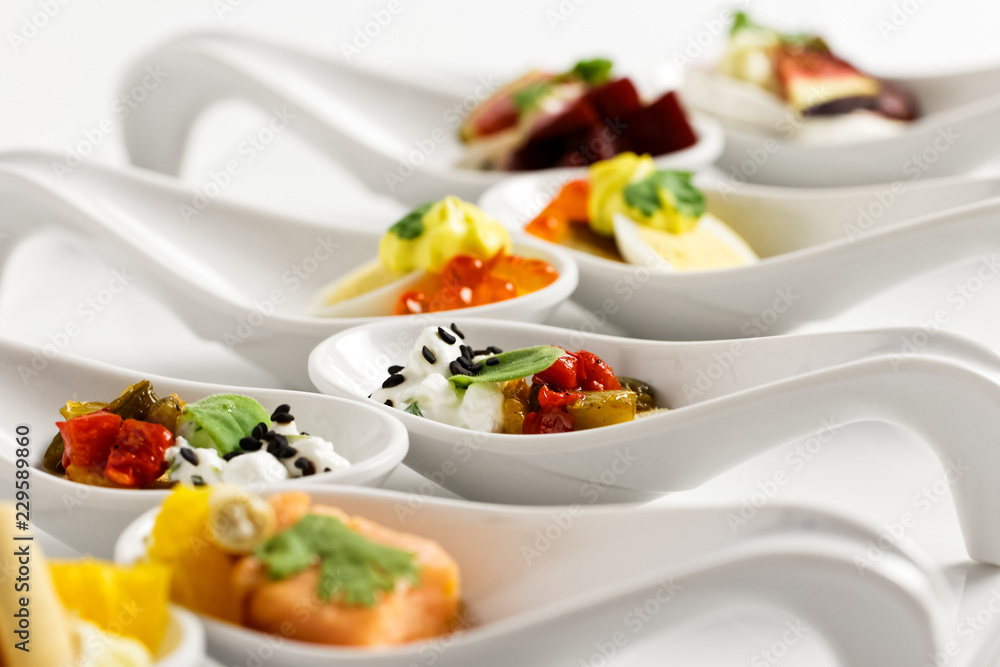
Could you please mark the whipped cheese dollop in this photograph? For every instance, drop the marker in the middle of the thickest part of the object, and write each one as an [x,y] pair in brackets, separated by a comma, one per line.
[424,385]
[102,649]
[284,453]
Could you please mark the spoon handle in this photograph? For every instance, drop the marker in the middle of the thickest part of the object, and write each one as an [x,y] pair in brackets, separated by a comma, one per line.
[950,406]
[365,119]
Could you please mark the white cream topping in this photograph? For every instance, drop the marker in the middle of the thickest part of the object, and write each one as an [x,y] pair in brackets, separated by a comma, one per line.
[478,408]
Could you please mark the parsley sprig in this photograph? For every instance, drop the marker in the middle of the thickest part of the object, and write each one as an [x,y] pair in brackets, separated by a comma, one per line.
[411,225]
[645,195]
[351,566]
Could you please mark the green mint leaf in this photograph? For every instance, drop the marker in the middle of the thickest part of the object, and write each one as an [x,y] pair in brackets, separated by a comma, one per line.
[352,567]
[528,97]
[644,195]
[595,72]
[414,409]
[512,365]
[224,418]
[411,225]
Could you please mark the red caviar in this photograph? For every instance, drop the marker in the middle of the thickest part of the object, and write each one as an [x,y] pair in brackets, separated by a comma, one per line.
[467,281]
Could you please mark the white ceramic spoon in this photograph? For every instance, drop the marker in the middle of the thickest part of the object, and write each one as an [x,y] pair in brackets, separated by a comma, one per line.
[732,399]
[184,643]
[823,251]
[89,518]
[551,606]
[234,274]
[954,134]
[397,135]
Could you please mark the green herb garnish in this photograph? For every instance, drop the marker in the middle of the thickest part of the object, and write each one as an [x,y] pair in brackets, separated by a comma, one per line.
[351,565]
[741,21]
[411,225]
[512,366]
[530,95]
[594,72]
[220,421]
[645,195]
[413,409]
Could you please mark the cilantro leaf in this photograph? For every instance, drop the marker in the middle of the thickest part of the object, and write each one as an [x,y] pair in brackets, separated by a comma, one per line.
[529,96]
[594,72]
[414,409]
[512,365]
[411,225]
[352,567]
[644,195]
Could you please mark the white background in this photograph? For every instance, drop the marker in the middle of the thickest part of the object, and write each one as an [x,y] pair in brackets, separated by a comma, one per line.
[62,80]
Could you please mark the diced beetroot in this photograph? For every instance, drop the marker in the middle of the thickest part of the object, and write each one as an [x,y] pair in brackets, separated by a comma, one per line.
[549,420]
[560,375]
[593,374]
[88,439]
[662,127]
[548,398]
[614,98]
[578,116]
[137,457]
[500,115]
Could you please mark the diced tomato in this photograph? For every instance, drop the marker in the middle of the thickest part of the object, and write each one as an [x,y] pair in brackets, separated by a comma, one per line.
[593,374]
[136,459]
[548,398]
[548,420]
[560,375]
[88,439]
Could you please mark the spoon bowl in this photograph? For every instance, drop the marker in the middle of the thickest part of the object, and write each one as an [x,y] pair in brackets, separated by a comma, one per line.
[234,274]
[528,606]
[89,518]
[398,136]
[954,135]
[729,400]
[822,251]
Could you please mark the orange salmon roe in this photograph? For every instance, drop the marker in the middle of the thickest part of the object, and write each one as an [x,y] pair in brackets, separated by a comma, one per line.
[467,281]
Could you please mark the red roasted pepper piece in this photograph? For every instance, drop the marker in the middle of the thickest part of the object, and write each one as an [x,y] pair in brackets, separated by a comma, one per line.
[136,460]
[593,374]
[548,420]
[560,375]
[88,439]
[557,399]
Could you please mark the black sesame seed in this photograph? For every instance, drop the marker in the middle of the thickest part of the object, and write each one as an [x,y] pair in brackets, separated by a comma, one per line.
[491,361]
[445,336]
[428,355]
[464,361]
[476,367]
[457,332]
[303,433]
[326,470]
[282,418]
[493,349]
[393,381]
[388,402]
[467,352]
[284,407]
[458,369]
[189,456]
[232,455]
[279,449]
[259,430]
[394,370]
[306,466]
[250,444]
